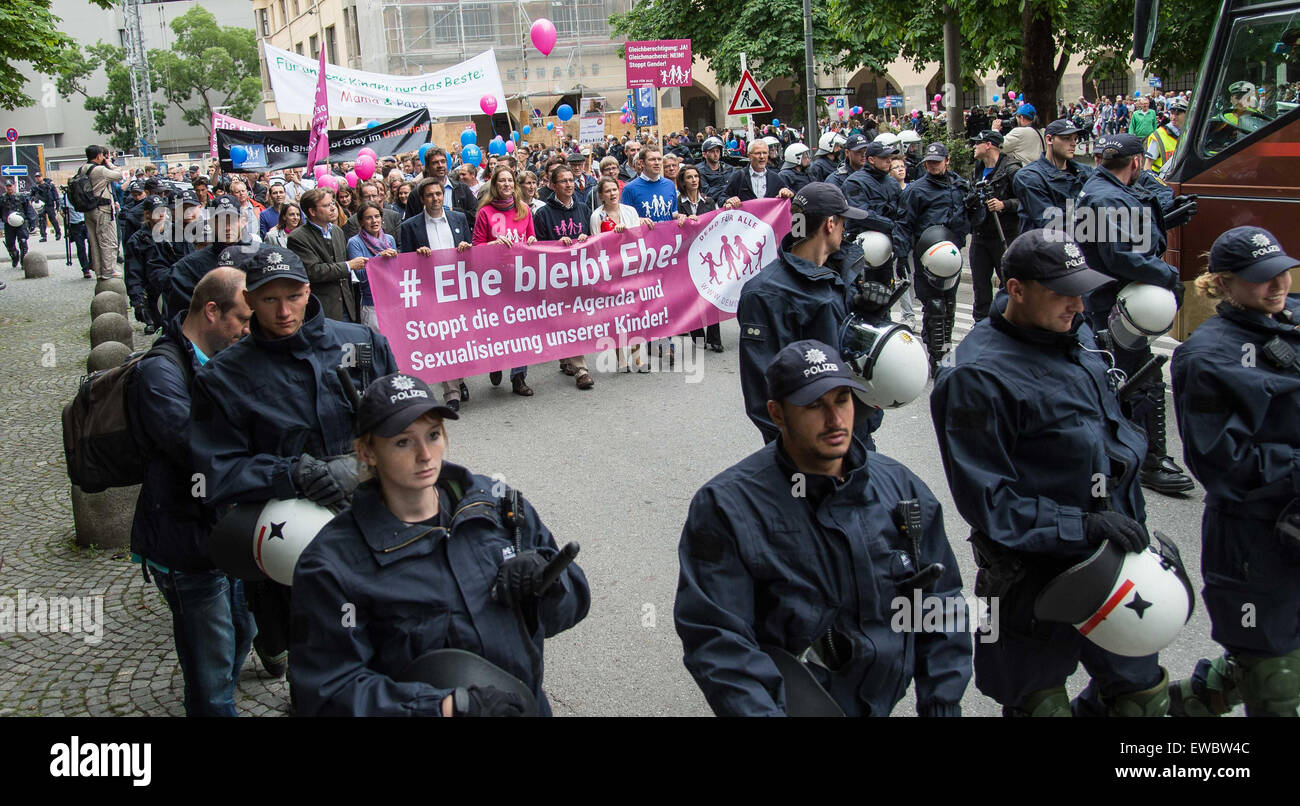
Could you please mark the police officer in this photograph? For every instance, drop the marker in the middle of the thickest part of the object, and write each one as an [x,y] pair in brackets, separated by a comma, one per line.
[253,444]
[224,228]
[806,293]
[1162,143]
[139,250]
[826,160]
[45,192]
[1128,240]
[854,159]
[1043,465]
[939,198]
[1045,185]
[1237,422]
[20,204]
[811,543]
[131,216]
[433,559]
[794,168]
[169,534]
[714,174]
[992,177]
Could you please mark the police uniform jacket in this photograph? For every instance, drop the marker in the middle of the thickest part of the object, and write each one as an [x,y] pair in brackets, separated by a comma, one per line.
[794,178]
[418,587]
[262,403]
[1000,187]
[19,203]
[1237,421]
[932,200]
[1121,255]
[1040,186]
[877,193]
[820,169]
[1029,429]
[760,566]
[789,300]
[714,182]
[186,273]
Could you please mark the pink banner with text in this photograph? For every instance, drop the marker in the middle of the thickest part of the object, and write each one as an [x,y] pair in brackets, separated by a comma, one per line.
[455,314]
[220,121]
[658,63]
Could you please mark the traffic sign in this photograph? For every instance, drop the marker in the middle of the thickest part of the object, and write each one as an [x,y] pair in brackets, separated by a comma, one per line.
[749,99]
[1154,81]
[11,134]
[13,170]
[830,92]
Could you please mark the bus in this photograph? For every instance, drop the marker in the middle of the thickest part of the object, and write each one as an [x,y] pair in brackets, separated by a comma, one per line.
[1240,152]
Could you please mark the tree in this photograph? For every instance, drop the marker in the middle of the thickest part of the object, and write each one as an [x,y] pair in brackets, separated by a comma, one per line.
[209,66]
[1029,41]
[769,32]
[30,33]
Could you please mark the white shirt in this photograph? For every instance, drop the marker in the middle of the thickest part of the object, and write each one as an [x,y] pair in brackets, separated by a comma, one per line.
[758,182]
[628,217]
[439,232]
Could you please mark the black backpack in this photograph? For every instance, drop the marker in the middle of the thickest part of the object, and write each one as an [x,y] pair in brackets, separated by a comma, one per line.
[98,440]
[81,191]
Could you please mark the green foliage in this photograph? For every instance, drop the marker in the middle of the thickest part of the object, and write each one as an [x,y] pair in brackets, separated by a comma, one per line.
[207,67]
[30,34]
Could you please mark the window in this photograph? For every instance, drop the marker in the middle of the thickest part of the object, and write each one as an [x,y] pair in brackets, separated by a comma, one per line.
[580,18]
[1257,80]
[284,17]
[478,22]
[315,46]
[355,34]
[331,52]
[264,22]
[295,9]
[298,48]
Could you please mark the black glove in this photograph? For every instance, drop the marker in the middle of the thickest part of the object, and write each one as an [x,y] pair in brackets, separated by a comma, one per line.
[519,579]
[138,307]
[328,483]
[871,298]
[901,268]
[486,701]
[1122,530]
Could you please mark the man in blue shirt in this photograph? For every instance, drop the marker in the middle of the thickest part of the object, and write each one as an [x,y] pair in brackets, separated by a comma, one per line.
[651,194]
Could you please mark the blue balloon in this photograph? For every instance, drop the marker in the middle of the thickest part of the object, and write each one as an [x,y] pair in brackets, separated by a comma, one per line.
[238,155]
[549,125]
[496,147]
[564,112]
[733,145]
[776,122]
[995,98]
[528,129]
[514,136]
[370,124]
[424,149]
[468,136]
[471,154]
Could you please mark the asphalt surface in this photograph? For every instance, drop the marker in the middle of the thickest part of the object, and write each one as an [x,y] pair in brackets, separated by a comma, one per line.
[613,468]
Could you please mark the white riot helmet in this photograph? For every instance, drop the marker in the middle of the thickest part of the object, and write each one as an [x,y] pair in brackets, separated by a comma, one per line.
[1129,603]
[908,136]
[940,255]
[828,142]
[1142,314]
[16,219]
[38,206]
[888,359]
[888,138]
[794,154]
[256,541]
[877,248]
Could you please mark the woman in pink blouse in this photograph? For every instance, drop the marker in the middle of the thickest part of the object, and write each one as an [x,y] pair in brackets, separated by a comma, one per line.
[504,218]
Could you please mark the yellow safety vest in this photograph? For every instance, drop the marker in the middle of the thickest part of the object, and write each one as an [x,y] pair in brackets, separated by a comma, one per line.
[1168,143]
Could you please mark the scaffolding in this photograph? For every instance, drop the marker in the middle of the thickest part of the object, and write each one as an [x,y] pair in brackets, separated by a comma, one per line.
[137,63]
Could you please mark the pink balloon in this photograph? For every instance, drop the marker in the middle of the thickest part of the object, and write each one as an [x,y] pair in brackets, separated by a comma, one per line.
[841,113]
[368,152]
[543,35]
[351,176]
[488,103]
[938,97]
[1011,95]
[328,182]
[320,170]
[365,167]
[510,147]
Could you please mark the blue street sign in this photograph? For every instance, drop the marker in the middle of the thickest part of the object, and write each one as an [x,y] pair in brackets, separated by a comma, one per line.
[13,170]
[645,107]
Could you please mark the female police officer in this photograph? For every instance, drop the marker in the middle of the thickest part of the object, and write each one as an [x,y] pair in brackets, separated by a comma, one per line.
[423,561]
[1236,394]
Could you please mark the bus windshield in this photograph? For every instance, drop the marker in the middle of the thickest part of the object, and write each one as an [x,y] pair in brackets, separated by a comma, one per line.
[1256,82]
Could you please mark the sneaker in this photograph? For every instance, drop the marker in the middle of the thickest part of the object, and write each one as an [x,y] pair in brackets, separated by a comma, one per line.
[275,665]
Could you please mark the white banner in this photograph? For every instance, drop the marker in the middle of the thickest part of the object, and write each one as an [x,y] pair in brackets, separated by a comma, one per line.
[447,93]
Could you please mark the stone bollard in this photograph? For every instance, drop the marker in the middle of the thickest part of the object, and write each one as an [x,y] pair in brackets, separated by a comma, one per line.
[107,355]
[111,326]
[104,519]
[110,284]
[35,265]
[106,301]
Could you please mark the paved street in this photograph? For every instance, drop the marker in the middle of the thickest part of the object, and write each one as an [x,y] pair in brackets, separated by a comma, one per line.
[613,468]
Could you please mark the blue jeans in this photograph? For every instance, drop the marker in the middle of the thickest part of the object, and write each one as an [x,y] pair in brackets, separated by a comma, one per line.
[214,632]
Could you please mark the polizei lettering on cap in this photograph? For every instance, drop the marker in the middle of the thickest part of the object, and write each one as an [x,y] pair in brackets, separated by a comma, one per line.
[820,368]
[407,395]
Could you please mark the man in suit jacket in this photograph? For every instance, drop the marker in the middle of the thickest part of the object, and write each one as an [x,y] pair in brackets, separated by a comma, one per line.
[413,234]
[741,185]
[456,195]
[372,192]
[323,249]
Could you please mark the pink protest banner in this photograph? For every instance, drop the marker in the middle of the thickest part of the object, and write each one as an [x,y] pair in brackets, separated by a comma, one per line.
[658,63]
[318,142]
[454,314]
[220,121]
